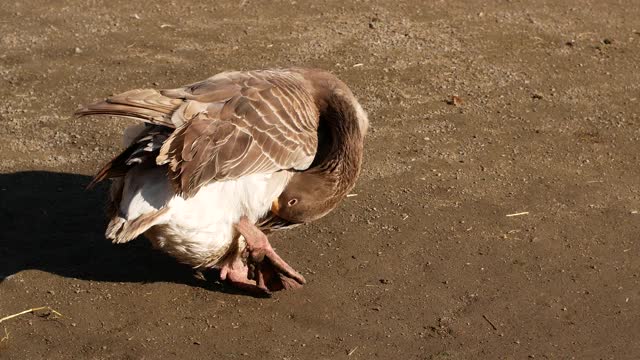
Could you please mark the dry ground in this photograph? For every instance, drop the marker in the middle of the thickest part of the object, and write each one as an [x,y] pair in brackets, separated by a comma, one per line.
[424,262]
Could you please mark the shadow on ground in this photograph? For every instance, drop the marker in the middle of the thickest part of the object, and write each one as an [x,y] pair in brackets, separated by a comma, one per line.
[51,223]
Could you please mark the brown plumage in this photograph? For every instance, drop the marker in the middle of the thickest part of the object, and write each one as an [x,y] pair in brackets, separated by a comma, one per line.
[300,126]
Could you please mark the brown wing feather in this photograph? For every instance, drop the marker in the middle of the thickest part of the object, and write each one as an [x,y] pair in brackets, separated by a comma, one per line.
[115,168]
[269,124]
[142,104]
[228,126]
[143,149]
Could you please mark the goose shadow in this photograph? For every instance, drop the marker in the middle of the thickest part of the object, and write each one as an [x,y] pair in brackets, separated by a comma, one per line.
[49,222]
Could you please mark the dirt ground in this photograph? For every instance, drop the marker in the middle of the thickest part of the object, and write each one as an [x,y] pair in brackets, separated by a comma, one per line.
[424,263]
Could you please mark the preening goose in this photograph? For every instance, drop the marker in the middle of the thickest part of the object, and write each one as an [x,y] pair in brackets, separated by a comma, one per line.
[222,161]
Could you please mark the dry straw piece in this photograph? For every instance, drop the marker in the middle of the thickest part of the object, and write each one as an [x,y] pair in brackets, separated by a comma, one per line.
[31,311]
[518,214]
[5,337]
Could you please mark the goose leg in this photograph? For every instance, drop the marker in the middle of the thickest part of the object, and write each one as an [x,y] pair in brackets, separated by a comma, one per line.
[270,270]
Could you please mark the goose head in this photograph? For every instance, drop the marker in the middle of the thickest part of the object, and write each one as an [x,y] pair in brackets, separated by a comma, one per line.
[307,197]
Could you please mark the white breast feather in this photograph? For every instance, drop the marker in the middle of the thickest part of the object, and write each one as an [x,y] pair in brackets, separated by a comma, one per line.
[198,230]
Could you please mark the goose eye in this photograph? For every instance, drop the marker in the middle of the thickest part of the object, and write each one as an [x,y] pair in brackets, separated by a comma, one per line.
[292,202]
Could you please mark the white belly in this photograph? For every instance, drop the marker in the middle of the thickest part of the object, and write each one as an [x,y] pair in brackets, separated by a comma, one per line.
[199,231]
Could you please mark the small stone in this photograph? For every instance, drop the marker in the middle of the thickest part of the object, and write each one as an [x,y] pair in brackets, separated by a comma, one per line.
[78,50]
[455,100]
[373,21]
[607,41]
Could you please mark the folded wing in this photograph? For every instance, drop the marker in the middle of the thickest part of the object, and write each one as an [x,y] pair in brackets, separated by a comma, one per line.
[228,126]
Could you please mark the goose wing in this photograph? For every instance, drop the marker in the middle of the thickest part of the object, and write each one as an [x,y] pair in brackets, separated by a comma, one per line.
[228,126]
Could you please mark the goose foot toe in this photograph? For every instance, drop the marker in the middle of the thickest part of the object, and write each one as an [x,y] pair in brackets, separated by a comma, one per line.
[236,274]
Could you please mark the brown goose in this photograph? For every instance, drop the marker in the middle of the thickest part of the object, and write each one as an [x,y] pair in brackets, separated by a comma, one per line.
[222,160]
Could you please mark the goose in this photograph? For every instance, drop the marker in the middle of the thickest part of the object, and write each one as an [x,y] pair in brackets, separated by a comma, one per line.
[215,166]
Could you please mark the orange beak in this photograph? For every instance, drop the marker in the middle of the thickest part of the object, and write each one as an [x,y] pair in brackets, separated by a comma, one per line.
[275,206]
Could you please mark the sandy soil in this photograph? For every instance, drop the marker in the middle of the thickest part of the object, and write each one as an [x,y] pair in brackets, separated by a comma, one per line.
[423,263]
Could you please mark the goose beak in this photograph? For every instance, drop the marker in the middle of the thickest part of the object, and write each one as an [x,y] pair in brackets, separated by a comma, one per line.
[275,207]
